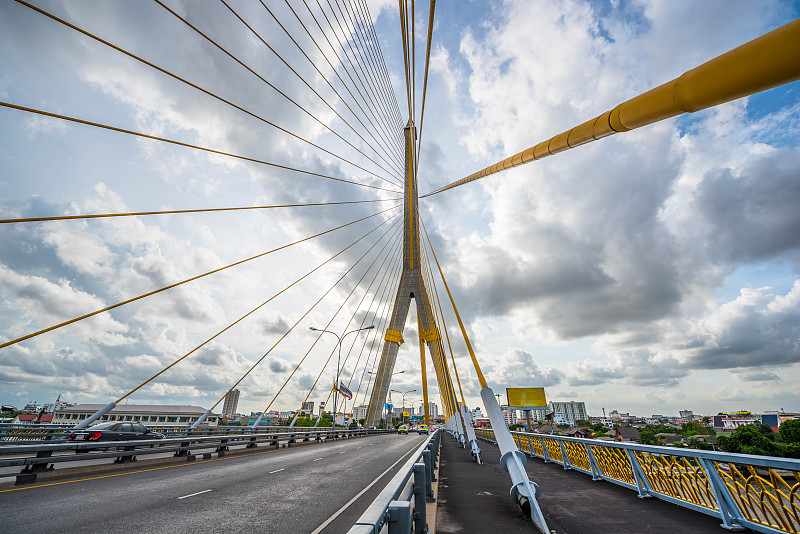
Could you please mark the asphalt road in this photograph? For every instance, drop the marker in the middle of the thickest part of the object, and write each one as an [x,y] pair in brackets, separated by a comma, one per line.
[270,491]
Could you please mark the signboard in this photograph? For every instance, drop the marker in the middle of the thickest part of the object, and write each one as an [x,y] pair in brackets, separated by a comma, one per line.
[526,398]
[388,406]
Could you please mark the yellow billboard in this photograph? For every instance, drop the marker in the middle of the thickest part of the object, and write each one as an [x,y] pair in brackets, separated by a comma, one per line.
[527,398]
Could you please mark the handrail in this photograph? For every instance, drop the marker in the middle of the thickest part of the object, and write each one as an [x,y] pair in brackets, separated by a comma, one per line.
[743,490]
[401,505]
[39,457]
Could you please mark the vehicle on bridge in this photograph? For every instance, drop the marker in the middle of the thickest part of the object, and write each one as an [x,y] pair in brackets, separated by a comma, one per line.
[402,429]
[114,431]
[423,429]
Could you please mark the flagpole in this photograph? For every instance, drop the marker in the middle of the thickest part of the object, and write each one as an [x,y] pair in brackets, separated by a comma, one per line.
[338,363]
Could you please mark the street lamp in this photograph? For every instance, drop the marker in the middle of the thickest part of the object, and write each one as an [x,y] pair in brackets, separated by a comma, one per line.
[339,361]
[404,400]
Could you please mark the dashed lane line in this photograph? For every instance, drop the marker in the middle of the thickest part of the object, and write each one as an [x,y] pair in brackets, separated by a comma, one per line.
[193,494]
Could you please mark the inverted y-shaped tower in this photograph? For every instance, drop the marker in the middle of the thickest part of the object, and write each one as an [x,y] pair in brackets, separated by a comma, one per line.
[412,285]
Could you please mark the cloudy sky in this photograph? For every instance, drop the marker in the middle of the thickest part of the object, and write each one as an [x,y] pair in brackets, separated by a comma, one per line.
[649,272]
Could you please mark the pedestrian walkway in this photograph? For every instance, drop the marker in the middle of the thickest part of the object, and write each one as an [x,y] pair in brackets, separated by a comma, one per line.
[474,498]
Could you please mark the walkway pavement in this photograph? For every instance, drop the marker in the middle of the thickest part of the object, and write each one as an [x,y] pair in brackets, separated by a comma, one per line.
[474,498]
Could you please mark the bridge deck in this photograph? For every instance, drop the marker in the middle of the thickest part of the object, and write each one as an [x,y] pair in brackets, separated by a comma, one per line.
[474,498]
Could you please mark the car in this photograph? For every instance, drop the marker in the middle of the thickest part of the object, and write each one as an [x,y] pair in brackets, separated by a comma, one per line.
[353,426]
[114,431]
[423,429]
[402,429]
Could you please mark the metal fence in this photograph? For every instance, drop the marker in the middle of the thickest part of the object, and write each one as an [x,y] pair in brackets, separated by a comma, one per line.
[742,490]
[38,450]
[401,507]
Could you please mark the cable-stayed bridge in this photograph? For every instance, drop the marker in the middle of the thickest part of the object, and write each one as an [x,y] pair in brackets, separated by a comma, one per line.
[337,131]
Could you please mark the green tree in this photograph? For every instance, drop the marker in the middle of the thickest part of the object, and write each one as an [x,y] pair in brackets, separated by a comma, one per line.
[789,432]
[751,439]
[598,427]
[583,422]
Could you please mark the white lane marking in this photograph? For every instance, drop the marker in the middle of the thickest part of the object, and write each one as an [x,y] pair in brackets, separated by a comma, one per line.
[276,471]
[341,510]
[193,494]
[342,452]
[316,459]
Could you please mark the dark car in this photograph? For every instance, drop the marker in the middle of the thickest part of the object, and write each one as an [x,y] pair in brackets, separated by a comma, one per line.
[114,431]
[353,426]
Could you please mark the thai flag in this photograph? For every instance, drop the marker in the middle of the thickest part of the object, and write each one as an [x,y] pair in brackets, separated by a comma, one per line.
[345,391]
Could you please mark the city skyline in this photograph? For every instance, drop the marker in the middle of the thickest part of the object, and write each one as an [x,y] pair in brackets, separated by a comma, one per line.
[657,269]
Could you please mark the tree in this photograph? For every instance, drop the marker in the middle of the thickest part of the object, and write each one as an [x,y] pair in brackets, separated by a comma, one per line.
[789,432]
[583,422]
[751,439]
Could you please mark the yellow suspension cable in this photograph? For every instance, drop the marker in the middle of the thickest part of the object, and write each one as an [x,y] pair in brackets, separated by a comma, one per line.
[384,315]
[319,336]
[367,101]
[384,70]
[475,363]
[117,305]
[187,145]
[763,63]
[287,97]
[444,325]
[304,315]
[240,319]
[425,82]
[386,141]
[194,86]
[373,59]
[370,79]
[169,212]
[355,311]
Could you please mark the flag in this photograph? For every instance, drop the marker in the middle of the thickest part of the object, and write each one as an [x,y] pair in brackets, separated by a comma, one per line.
[405,414]
[345,391]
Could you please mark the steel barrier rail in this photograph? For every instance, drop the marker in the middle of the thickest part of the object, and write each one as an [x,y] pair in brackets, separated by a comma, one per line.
[183,446]
[401,507]
[10,433]
[743,490]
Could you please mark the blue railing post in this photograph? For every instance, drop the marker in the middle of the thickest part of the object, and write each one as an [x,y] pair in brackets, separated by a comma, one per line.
[728,510]
[596,473]
[642,485]
[426,456]
[420,500]
[400,517]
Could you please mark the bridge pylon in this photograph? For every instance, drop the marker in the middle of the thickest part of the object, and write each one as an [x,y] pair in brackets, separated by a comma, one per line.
[411,285]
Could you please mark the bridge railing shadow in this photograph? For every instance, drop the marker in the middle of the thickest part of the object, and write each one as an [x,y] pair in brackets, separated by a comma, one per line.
[742,490]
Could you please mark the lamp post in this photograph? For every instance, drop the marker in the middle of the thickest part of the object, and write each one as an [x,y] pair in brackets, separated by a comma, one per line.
[338,362]
[404,400]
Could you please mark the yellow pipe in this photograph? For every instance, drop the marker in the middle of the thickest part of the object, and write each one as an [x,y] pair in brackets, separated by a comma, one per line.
[763,63]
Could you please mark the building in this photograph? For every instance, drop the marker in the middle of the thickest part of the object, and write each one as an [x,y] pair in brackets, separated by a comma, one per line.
[308,407]
[571,411]
[509,415]
[360,412]
[433,410]
[231,403]
[33,419]
[148,414]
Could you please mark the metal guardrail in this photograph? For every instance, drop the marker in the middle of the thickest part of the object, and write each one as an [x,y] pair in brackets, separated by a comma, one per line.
[401,507]
[38,456]
[758,492]
[49,432]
